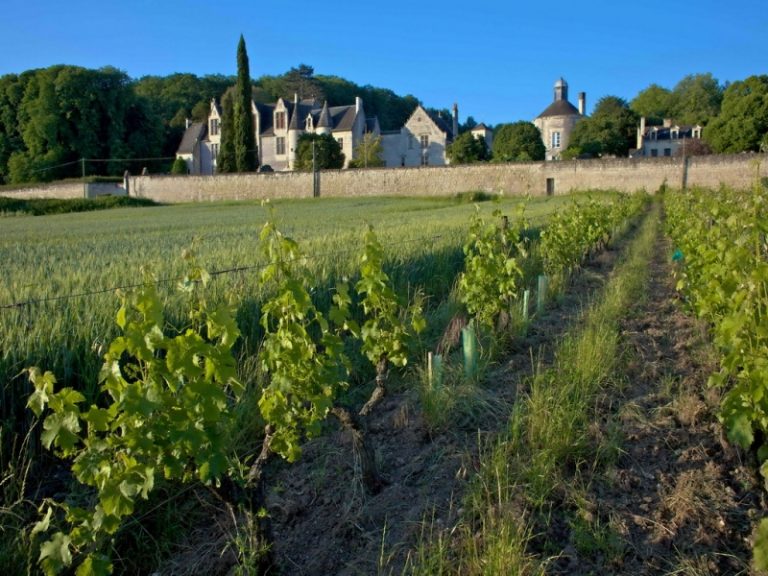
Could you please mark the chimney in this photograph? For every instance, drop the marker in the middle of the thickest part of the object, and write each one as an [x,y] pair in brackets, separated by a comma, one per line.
[455,120]
[186,123]
[358,104]
[641,133]
[583,103]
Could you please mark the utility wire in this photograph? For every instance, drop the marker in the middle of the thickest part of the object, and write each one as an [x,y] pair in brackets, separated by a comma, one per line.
[213,273]
[54,167]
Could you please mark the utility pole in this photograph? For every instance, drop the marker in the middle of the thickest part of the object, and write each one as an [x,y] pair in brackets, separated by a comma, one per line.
[315,174]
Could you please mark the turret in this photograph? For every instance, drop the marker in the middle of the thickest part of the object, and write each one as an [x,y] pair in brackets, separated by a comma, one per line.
[324,121]
[561,89]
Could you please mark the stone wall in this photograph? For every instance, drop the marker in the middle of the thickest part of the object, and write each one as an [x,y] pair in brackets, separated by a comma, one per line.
[739,170]
[68,190]
[512,179]
[63,191]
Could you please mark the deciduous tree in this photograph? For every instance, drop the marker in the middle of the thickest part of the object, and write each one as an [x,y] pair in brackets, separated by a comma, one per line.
[742,124]
[368,152]
[467,149]
[611,130]
[327,153]
[519,141]
[655,103]
[696,99]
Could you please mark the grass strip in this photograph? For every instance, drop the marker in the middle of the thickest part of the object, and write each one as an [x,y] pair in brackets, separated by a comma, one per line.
[535,466]
[45,206]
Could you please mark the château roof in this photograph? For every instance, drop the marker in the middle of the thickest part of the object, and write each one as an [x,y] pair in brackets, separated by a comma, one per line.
[560,108]
[192,135]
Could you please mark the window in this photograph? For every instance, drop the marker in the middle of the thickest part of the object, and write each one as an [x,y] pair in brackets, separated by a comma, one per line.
[279,120]
[215,151]
[214,126]
[654,152]
[667,151]
[424,142]
[341,142]
[279,146]
[555,140]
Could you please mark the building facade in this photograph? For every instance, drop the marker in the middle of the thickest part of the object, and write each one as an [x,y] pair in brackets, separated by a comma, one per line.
[422,141]
[670,139]
[278,128]
[556,122]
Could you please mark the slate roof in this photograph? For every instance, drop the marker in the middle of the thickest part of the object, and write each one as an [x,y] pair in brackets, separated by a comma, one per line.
[192,135]
[371,124]
[324,119]
[665,132]
[343,118]
[266,118]
[560,108]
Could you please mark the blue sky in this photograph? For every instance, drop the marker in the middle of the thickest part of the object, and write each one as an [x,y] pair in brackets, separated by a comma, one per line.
[498,60]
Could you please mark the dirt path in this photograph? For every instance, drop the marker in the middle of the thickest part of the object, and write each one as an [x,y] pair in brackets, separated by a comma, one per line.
[679,498]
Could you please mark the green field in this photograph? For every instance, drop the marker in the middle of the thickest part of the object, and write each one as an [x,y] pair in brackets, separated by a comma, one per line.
[62,268]
[58,290]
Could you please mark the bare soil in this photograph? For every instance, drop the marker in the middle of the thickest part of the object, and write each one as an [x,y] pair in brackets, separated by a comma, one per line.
[680,498]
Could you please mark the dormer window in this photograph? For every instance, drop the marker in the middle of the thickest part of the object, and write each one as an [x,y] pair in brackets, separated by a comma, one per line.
[696,132]
[308,123]
[279,120]
[674,133]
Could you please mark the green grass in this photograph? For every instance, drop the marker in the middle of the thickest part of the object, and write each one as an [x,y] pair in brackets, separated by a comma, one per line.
[45,206]
[537,464]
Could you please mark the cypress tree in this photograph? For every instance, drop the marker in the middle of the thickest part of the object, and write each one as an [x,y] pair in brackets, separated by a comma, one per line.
[245,139]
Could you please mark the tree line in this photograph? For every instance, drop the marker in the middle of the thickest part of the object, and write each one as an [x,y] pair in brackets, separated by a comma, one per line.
[51,118]
[734,118]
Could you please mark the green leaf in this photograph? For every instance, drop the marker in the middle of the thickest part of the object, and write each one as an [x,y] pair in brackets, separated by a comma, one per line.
[98,419]
[44,384]
[44,524]
[740,431]
[95,565]
[121,317]
[760,550]
[60,429]
[55,553]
